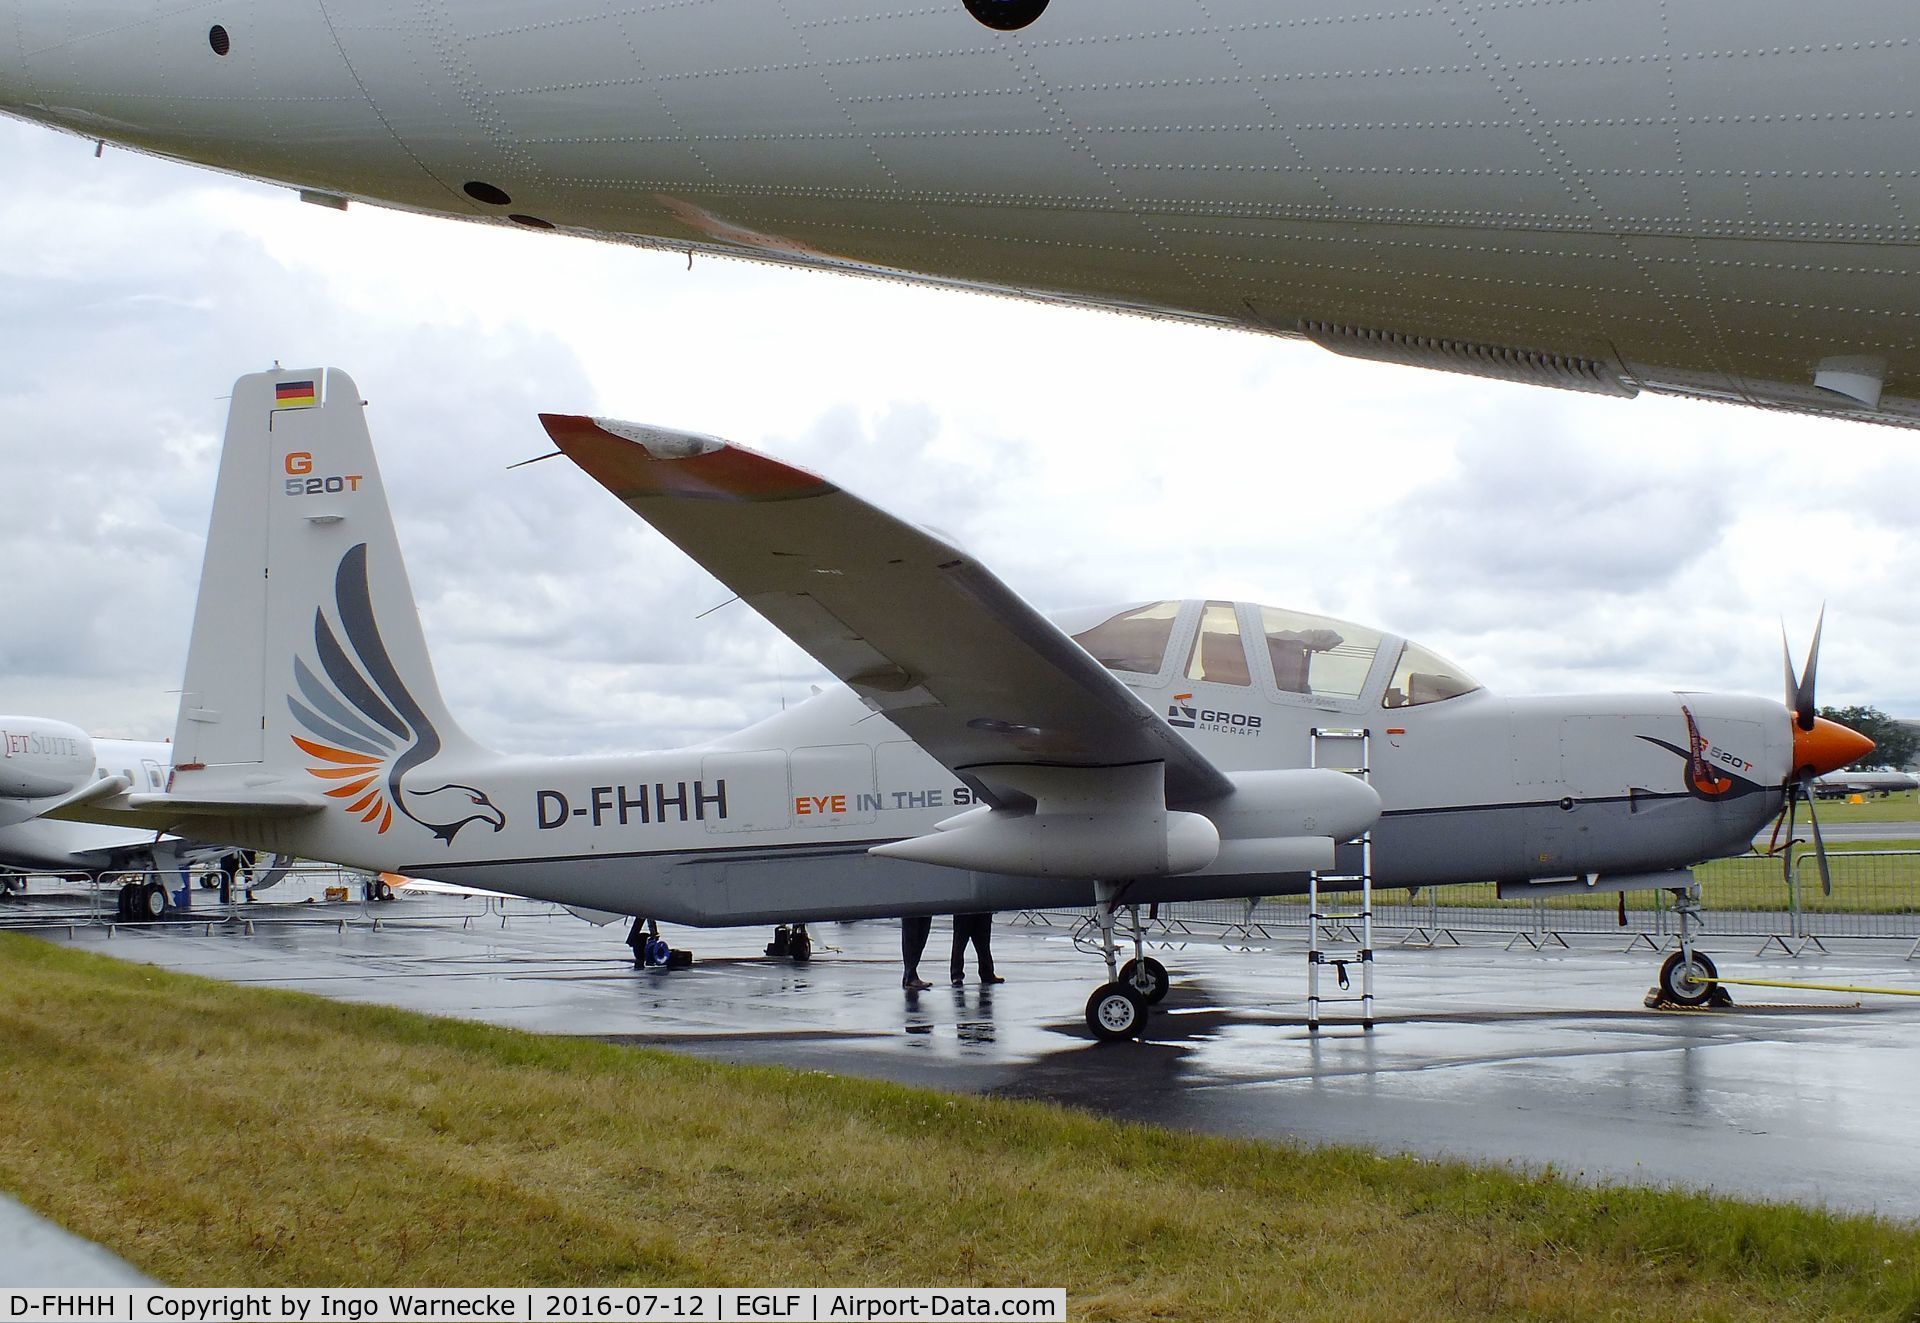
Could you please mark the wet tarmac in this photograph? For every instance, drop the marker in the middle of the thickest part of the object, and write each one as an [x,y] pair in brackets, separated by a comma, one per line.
[1540,1058]
[34,1252]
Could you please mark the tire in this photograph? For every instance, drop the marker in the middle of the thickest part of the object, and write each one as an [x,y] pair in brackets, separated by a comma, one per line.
[1682,984]
[383,890]
[1115,1011]
[151,902]
[1153,985]
[800,948]
[125,907]
[1005,15]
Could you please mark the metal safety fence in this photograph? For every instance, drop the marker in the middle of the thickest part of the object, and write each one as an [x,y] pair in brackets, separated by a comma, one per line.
[306,894]
[1874,893]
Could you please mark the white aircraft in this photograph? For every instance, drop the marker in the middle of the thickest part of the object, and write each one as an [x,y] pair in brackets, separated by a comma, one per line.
[1706,199]
[981,756]
[47,765]
[1838,785]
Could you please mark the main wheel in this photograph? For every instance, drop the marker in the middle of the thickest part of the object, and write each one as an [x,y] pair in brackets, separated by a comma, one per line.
[800,948]
[126,905]
[1116,1011]
[1005,15]
[1688,983]
[151,903]
[1149,978]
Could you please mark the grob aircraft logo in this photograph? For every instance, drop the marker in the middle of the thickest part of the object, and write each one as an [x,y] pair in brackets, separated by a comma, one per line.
[369,731]
[1182,714]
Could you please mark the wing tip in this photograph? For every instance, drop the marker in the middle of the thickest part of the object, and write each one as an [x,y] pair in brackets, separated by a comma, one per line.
[638,459]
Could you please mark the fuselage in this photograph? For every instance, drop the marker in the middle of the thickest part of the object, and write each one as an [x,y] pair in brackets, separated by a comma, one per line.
[1685,198]
[775,821]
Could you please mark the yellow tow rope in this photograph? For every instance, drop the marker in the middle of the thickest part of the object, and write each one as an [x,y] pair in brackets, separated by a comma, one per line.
[1809,987]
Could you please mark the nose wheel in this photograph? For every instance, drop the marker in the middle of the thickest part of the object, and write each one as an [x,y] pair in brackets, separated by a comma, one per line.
[1690,980]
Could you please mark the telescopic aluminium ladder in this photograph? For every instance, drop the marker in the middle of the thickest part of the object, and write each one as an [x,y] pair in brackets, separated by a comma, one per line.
[1332,937]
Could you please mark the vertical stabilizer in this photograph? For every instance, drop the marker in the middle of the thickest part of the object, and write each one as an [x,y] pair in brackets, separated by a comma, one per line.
[308,668]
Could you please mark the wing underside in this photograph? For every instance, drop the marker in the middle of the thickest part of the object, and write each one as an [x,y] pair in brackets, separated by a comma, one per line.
[919,629]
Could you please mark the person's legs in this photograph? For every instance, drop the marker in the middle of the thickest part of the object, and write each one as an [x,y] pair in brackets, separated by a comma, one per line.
[913,941]
[957,966]
[983,945]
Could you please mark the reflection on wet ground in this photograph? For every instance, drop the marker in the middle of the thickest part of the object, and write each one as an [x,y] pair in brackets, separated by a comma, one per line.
[1544,1058]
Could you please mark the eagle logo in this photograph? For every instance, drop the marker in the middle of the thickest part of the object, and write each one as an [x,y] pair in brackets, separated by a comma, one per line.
[369,733]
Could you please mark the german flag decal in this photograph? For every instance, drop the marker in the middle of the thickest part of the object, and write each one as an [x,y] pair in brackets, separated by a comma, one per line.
[295,395]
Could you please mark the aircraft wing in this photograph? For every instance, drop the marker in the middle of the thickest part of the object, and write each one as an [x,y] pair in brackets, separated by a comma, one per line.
[918,628]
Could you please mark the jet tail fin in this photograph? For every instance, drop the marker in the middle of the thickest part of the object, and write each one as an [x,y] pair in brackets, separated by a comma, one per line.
[307,674]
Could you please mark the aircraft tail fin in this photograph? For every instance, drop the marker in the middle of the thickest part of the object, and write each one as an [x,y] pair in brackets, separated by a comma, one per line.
[308,670]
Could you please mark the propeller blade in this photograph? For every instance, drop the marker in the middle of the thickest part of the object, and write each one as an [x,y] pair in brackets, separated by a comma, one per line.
[1819,846]
[1803,708]
[1792,690]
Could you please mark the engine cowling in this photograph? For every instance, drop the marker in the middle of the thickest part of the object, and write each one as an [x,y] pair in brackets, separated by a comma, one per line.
[40,758]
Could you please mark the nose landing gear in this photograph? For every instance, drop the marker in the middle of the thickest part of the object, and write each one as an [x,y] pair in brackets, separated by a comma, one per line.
[1688,978]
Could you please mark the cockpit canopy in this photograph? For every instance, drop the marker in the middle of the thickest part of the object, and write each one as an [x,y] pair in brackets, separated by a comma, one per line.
[1246,645]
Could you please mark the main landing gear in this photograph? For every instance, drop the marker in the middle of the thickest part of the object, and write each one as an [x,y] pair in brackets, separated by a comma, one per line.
[650,949]
[791,942]
[1118,1008]
[141,901]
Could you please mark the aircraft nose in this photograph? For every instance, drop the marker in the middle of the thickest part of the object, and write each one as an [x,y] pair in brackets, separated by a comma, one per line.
[1828,747]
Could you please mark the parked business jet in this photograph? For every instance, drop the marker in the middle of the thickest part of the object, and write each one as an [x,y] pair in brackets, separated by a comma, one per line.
[45,765]
[1702,199]
[981,756]
[49,765]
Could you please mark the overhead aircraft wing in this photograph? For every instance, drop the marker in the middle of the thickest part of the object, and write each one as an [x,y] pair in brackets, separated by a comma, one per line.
[916,626]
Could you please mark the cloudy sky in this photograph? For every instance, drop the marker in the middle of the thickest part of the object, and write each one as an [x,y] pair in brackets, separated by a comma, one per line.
[1548,542]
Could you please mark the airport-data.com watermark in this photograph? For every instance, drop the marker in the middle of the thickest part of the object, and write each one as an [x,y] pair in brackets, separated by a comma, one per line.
[531,1305]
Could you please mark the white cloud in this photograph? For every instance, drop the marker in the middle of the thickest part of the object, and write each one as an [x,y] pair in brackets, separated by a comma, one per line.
[1547,541]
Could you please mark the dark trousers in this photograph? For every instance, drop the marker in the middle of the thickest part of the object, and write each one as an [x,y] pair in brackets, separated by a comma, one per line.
[913,940]
[978,929]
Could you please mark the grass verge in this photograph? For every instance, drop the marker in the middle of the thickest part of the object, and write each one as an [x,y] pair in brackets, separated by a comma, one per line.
[217,1135]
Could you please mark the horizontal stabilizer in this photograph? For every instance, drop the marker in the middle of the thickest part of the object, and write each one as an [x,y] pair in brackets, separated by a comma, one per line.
[282,804]
[177,813]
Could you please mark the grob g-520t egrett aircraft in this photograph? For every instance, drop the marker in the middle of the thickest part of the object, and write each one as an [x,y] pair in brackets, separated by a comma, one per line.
[1716,198]
[981,756]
